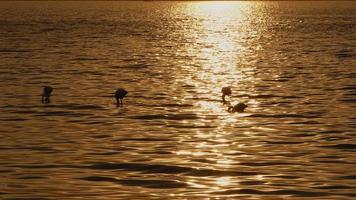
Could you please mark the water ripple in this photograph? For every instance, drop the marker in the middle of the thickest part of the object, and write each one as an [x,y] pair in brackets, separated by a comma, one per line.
[167,169]
[138,182]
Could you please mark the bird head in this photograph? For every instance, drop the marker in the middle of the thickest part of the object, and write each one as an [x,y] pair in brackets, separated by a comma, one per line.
[226,91]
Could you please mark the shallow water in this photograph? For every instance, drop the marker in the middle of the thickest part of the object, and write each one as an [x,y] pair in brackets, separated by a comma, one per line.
[293,63]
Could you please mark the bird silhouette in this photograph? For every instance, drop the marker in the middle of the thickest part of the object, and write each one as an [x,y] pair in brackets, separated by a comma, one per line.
[47,91]
[119,95]
[226,91]
[240,107]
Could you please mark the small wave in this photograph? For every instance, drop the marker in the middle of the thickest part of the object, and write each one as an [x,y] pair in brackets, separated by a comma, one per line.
[286,177]
[167,169]
[29,198]
[264,96]
[277,80]
[16,50]
[31,177]
[24,111]
[46,30]
[202,160]
[85,59]
[190,126]
[333,187]
[6,171]
[134,66]
[188,86]
[345,54]
[267,163]
[166,117]
[291,97]
[99,178]
[351,177]
[157,152]
[143,139]
[350,75]
[101,136]
[252,182]
[299,135]
[39,149]
[89,122]
[62,113]
[104,154]
[280,116]
[150,183]
[332,161]
[40,166]
[141,167]
[14,119]
[342,146]
[153,183]
[79,106]
[299,193]
[129,60]
[349,88]
[332,131]
[305,122]
[283,142]
[175,105]
[94,73]
[349,99]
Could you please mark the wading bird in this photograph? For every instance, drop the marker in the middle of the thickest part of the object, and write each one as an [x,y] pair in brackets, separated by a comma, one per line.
[47,90]
[240,107]
[119,95]
[226,91]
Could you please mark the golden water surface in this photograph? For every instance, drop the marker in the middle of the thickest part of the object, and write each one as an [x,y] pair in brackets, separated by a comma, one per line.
[292,63]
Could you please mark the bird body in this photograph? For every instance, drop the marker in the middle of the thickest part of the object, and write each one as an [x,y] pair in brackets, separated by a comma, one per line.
[119,95]
[240,107]
[47,91]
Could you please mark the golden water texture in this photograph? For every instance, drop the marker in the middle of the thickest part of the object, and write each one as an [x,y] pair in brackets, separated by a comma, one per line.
[292,63]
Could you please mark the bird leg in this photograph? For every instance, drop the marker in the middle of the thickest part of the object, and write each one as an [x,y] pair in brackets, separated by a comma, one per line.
[45,99]
[223,99]
[119,102]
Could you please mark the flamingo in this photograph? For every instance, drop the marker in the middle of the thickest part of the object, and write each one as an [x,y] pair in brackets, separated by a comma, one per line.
[119,95]
[47,90]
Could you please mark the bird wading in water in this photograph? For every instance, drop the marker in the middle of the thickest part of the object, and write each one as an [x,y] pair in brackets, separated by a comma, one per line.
[47,91]
[119,95]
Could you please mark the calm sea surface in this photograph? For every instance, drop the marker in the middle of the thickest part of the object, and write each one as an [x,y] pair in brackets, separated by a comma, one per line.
[293,63]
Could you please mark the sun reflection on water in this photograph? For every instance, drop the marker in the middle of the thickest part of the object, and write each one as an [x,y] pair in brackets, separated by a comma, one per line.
[218,52]
[219,60]
[223,181]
